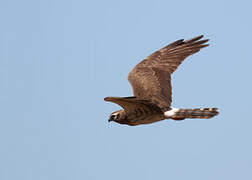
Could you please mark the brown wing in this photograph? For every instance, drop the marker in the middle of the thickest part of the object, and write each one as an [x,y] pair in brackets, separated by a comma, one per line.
[132,103]
[152,84]
[150,79]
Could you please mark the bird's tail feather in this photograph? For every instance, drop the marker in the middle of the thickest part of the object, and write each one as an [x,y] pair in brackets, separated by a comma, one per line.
[203,113]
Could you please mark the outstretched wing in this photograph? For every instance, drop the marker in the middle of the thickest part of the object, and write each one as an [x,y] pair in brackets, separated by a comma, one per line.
[130,104]
[150,79]
[153,84]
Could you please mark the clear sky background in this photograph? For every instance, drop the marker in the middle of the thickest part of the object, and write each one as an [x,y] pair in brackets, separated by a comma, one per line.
[59,59]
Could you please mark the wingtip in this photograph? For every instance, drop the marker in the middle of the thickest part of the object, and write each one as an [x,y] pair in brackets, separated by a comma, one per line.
[195,39]
[200,36]
[204,40]
[204,45]
[106,98]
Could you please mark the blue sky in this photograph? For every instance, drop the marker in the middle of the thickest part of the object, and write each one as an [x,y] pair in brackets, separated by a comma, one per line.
[59,59]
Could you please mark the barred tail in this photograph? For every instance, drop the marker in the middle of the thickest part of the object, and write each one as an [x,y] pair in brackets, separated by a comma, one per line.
[203,113]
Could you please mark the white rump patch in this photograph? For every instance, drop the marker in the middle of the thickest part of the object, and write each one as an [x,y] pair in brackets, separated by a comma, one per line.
[171,112]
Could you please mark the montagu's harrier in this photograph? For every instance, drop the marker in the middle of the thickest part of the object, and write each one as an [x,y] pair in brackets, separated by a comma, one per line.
[151,83]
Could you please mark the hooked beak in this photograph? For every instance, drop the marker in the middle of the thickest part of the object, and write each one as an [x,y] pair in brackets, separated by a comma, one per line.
[110,120]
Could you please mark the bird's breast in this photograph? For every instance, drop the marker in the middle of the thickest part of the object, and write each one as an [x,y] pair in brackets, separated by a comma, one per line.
[144,116]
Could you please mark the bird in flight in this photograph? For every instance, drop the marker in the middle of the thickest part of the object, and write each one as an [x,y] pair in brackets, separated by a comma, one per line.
[151,83]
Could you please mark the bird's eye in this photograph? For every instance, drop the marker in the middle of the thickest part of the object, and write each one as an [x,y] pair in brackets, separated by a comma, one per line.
[113,117]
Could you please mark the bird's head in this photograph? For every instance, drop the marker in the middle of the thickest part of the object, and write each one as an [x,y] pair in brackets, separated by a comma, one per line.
[115,116]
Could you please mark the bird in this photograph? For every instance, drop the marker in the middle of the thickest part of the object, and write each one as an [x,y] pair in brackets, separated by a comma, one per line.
[152,90]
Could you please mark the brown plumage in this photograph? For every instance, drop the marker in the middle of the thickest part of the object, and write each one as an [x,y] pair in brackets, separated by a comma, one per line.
[203,113]
[151,83]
